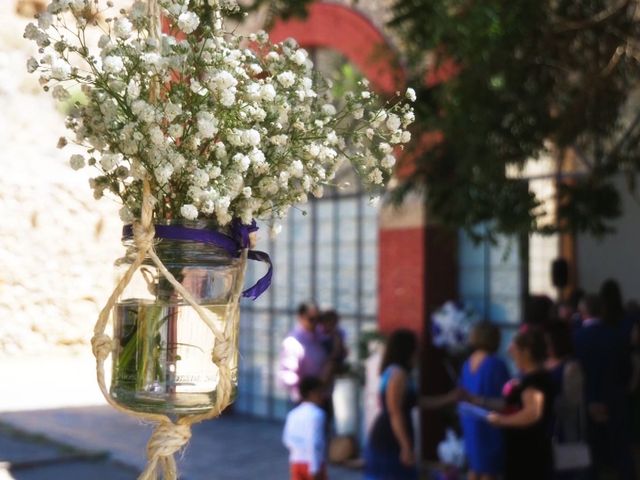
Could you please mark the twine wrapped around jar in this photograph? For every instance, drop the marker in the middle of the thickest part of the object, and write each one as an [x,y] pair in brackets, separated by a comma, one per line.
[168,437]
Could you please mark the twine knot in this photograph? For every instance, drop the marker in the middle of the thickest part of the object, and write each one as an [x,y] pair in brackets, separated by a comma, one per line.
[221,352]
[167,439]
[102,346]
[143,236]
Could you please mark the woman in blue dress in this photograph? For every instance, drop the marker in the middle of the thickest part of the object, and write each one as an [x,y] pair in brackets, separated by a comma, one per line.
[389,454]
[483,376]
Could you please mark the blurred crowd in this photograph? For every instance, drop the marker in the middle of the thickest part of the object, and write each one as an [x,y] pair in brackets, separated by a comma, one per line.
[570,412]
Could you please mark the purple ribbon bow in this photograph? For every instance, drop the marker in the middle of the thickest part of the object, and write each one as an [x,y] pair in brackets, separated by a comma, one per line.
[233,245]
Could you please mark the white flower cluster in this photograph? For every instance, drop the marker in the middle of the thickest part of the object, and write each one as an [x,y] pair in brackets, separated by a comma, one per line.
[221,130]
[451,450]
[451,326]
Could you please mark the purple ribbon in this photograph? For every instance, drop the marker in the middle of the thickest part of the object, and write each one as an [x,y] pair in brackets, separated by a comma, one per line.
[233,245]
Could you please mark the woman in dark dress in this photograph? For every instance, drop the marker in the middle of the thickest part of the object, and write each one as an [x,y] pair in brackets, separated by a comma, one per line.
[527,418]
[389,452]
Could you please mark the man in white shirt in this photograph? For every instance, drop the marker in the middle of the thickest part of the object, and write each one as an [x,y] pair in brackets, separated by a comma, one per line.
[304,433]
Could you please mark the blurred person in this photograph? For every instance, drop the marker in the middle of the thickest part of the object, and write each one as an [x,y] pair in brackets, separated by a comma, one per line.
[602,351]
[302,354]
[527,411]
[483,376]
[633,310]
[389,453]
[568,379]
[574,302]
[613,311]
[304,433]
[333,339]
[538,310]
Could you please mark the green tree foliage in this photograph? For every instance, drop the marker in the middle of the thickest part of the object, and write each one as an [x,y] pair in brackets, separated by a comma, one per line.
[536,78]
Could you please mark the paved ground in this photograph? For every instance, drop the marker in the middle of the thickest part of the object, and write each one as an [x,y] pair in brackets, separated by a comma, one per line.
[55,425]
[98,443]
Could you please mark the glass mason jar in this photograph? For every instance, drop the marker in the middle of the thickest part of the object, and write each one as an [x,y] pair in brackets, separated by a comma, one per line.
[162,359]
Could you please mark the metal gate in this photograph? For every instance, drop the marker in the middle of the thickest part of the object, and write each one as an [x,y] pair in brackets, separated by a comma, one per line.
[328,254]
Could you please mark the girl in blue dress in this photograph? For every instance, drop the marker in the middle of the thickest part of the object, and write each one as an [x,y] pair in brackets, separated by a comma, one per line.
[483,376]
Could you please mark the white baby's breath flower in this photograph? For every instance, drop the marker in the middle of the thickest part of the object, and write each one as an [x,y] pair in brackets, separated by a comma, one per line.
[252,140]
[78,4]
[287,79]
[45,20]
[207,124]
[76,161]
[104,41]
[108,161]
[223,80]
[200,178]
[157,136]
[268,93]
[411,95]
[228,98]
[126,215]
[113,64]
[32,32]
[388,161]
[189,211]
[133,89]
[393,122]
[283,179]
[32,65]
[242,161]
[196,87]
[138,10]
[60,93]
[385,148]
[299,57]
[175,130]
[154,60]
[60,69]
[122,28]
[375,176]
[296,169]
[251,137]
[172,110]
[408,118]
[163,172]
[188,22]
[329,110]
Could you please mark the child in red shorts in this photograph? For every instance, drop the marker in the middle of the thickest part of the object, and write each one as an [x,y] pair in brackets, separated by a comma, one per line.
[304,433]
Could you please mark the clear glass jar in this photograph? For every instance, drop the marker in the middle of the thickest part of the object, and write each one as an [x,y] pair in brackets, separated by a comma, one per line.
[162,360]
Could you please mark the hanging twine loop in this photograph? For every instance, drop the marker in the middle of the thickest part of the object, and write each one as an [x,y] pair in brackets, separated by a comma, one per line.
[168,437]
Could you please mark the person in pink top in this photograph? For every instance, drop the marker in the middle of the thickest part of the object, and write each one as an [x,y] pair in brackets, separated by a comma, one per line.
[303,354]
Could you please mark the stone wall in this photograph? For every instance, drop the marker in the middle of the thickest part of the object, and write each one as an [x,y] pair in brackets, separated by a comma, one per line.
[57,244]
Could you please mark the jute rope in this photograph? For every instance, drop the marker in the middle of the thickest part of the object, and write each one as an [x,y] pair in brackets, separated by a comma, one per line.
[168,437]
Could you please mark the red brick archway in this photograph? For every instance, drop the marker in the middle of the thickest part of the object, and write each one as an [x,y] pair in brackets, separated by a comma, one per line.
[345,30]
[417,265]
